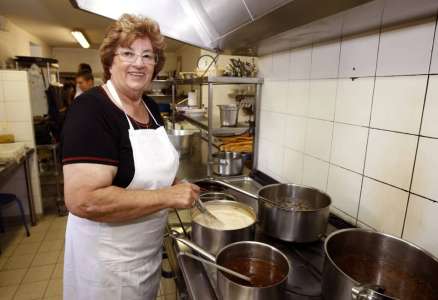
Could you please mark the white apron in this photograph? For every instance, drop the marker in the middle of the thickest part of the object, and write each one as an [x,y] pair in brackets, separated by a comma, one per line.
[122,260]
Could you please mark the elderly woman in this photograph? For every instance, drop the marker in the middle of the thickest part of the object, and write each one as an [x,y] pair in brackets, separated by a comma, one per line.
[119,167]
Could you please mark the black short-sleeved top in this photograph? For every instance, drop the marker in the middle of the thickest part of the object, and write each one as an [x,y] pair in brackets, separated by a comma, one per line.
[96,131]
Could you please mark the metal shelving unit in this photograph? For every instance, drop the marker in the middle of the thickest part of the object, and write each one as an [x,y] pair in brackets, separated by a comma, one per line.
[208,125]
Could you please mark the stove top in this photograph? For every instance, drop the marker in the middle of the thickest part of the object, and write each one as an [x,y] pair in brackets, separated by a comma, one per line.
[306,260]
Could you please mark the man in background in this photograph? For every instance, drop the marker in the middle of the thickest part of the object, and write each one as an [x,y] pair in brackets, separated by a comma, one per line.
[84,81]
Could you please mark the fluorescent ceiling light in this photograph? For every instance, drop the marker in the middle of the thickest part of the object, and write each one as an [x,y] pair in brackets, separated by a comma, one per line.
[80,38]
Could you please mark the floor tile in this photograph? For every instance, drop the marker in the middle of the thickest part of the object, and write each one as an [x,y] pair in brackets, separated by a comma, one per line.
[7,292]
[11,277]
[40,227]
[45,258]
[34,237]
[36,274]
[61,258]
[54,288]
[27,248]
[58,272]
[3,260]
[51,245]
[55,235]
[31,291]
[167,286]
[19,262]
[169,297]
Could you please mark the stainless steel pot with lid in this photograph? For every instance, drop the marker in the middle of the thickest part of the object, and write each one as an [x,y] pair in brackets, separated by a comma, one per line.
[367,265]
[293,212]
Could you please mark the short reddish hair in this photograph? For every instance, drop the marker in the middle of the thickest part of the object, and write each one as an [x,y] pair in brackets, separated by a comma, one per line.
[123,32]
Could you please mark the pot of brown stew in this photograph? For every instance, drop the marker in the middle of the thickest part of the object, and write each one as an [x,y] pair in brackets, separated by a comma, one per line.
[267,267]
[367,265]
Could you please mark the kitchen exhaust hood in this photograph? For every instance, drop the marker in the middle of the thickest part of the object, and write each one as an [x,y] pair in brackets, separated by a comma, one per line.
[258,27]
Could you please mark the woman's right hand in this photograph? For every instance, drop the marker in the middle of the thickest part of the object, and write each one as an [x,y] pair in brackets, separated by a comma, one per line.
[181,195]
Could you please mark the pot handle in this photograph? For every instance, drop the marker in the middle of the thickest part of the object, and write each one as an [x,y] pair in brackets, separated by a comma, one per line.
[367,292]
[193,246]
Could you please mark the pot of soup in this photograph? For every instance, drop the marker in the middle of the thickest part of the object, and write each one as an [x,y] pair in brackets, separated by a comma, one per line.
[236,223]
[293,213]
[267,267]
[367,265]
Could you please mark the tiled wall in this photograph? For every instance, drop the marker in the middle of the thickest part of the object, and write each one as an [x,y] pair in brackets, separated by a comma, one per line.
[16,118]
[358,118]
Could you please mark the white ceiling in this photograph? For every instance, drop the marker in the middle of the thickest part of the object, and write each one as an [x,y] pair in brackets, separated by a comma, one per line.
[53,20]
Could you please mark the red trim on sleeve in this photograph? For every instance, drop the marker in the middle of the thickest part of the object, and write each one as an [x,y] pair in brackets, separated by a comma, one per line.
[89,158]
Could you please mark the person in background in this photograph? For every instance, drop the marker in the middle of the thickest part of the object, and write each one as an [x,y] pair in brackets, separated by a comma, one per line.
[84,81]
[119,173]
[83,68]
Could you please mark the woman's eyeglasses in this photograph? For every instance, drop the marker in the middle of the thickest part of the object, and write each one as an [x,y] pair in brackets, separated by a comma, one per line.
[129,56]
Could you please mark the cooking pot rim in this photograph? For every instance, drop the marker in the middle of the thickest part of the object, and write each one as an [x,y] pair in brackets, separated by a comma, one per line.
[357,283]
[233,202]
[289,267]
[295,185]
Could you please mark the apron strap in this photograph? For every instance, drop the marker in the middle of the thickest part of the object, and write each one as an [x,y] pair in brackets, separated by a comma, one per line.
[109,87]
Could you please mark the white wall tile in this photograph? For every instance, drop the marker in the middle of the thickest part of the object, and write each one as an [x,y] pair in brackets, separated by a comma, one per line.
[406,50]
[18,112]
[265,66]
[22,130]
[280,65]
[262,157]
[344,189]
[274,95]
[15,75]
[434,63]
[16,91]
[1,92]
[398,103]
[298,97]
[295,132]
[348,147]
[359,55]
[344,216]
[365,226]
[425,180]
[390,157]
[383,207]
[272,126]
[270,158]
[2,112]
[293,166]
[322,99]
[300,63]
[315,173]
[421,226]
[429,125]
[325,60]
[318,138]
[353,101]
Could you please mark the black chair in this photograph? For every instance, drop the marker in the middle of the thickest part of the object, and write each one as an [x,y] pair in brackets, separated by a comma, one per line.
[6,199]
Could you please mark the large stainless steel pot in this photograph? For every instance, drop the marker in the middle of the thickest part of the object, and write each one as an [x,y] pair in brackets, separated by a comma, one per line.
[231,289]
[212,239]
[227,163]
[293,213]
[182,139]
[367,265]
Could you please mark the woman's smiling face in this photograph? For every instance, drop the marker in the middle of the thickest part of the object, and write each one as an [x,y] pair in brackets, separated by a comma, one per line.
[135,76]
